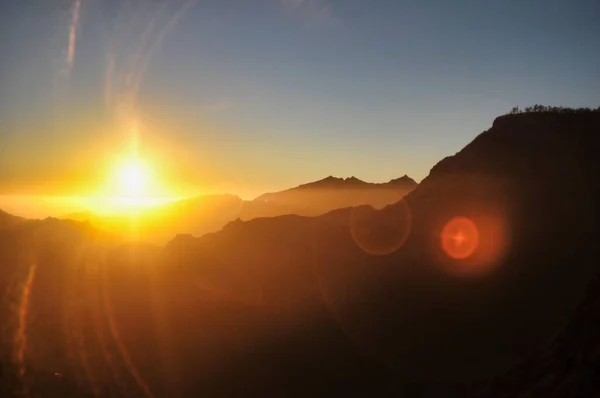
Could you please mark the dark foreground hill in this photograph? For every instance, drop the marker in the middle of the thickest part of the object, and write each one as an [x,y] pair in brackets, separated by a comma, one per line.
[418,313]
[356,301]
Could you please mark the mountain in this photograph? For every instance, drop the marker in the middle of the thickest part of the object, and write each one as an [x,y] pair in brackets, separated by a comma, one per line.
[401,183]
[355,301]
[196,216]
[328,194]
[45,267]
[8,220]
[210,213]
[402,300]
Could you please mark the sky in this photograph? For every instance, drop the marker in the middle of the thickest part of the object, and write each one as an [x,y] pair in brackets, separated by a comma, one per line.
[248,96]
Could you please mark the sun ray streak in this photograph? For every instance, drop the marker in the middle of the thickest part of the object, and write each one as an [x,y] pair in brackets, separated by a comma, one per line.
[160,36]
[143,43]
[21,333]
[73,35]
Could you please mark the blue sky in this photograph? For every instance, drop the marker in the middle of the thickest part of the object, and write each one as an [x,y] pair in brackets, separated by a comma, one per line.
[256,95]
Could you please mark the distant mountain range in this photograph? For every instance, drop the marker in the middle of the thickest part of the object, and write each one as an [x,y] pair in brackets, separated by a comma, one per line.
[355,302]
[205,214]
[328,194]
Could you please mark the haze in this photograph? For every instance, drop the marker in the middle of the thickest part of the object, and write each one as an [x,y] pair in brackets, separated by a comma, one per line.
[247,97]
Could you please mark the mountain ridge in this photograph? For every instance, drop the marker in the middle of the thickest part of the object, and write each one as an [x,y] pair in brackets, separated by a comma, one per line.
[331,182]
[9,220]
[504,180]
[357,300]
[210,213]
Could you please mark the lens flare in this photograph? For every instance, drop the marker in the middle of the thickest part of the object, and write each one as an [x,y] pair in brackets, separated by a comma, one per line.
[460,238]
[380,232]
[475,245]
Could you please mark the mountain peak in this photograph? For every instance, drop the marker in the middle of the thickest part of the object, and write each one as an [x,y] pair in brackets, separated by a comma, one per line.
[405,179]
[333,182]
[354,180]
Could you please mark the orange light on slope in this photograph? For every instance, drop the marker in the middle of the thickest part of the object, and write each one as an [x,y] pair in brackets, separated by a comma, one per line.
[460,238]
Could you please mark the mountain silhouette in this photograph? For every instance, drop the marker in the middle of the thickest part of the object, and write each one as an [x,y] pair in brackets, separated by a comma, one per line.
[358,300]
[328,194]
[416,310]
[210,213]
[8,220]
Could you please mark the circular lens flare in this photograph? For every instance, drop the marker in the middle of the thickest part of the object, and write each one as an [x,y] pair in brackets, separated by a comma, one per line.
[380,232]
[460,238]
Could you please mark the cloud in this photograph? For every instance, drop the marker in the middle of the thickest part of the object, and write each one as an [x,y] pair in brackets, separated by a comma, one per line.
[315,11]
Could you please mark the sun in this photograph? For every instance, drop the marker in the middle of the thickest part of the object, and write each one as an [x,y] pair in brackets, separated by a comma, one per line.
[133,178]
[131,186]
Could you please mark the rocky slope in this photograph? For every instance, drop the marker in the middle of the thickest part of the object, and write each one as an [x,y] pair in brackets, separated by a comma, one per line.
[423,314]
[356,301]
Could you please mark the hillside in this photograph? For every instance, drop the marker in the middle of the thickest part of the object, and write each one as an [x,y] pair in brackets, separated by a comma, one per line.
[8,220]
[356,301]
[424,315]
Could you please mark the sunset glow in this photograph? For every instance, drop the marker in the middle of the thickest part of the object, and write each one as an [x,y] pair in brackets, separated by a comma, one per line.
[299,197]
[131,185]
[133,178]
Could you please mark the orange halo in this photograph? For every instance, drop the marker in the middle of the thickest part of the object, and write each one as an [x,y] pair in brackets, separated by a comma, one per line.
[460,238]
